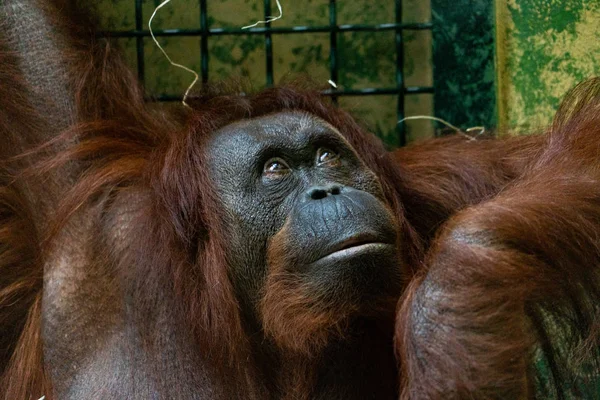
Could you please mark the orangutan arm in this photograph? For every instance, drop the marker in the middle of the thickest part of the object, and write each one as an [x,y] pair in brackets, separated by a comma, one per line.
[509,282]
[446,175]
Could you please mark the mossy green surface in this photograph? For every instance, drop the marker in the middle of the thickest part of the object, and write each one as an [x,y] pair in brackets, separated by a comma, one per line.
[545,48]
[365,59]
[464,65]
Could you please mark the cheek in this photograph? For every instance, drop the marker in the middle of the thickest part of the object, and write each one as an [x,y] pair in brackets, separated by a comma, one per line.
[369,183]
[278,249]
[358,176]
[248,229]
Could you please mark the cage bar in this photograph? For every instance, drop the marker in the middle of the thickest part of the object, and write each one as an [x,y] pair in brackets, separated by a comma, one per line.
[268,44]
[274,31]
[333,29]
[400,77]
[204,41]
[139,43]
[333,55]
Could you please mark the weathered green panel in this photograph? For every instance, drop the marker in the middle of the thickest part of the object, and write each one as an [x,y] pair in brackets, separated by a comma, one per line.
[463,60]
[545,48]
[365,59]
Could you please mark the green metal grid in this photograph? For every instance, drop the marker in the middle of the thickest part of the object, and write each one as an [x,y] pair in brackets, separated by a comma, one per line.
[205,32]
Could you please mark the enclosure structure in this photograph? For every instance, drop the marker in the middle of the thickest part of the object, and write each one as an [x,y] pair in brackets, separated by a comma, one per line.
[205,32]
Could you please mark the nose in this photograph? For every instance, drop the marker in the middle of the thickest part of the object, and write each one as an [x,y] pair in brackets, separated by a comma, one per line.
[320,192]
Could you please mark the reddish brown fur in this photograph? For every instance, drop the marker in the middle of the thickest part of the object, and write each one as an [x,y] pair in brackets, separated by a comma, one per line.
[296,316]
[292,314]
[127,152]
[20,287]
[513,274]
[496,263]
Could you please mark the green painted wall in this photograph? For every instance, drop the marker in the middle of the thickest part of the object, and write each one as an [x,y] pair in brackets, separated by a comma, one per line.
[464,64]
[365,59]
[497,62]
[544,48]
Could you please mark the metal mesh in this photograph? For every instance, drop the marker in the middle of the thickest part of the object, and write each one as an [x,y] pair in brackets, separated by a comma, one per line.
[205,33]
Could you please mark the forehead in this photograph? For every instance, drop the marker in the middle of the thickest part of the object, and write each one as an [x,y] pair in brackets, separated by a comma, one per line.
[293,130]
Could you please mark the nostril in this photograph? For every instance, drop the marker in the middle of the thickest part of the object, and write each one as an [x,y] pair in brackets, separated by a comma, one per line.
[317,194]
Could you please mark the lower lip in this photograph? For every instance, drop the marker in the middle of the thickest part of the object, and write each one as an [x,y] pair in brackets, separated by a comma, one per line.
[354,250]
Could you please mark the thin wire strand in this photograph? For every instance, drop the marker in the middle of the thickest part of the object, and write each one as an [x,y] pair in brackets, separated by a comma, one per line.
[269,19]
[448,124]
[480,128]
[196,77]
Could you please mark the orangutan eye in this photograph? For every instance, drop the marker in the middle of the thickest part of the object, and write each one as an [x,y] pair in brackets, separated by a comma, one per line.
[275,166]
[327,156]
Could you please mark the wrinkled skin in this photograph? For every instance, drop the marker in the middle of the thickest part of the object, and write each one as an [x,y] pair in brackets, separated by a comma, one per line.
[243,249]
[293,175]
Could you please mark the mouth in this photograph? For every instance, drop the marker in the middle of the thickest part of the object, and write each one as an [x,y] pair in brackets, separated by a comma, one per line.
[354,246]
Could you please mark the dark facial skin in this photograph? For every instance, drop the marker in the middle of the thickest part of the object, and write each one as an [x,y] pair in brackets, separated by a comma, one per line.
[293,175]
